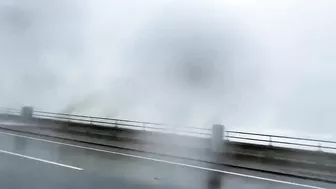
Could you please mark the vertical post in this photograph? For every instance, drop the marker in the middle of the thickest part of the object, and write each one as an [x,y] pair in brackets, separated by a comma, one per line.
[319,147]
[217,139]
[270,140]
[26,112]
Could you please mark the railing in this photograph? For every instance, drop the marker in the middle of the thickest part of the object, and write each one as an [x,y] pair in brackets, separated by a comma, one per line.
[245,137]
[11,111]
[109,122]
[282,141]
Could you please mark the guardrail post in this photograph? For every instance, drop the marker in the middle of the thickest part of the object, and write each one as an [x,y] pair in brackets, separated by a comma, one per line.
[319,147]
[217,138]
[26,112]
[227,135]
[270,140]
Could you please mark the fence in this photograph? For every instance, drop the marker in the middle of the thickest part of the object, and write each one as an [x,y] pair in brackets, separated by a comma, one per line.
[109,122]
[246,137]
[282,141]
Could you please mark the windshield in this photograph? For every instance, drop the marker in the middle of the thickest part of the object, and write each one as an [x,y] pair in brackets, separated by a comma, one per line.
[162,74]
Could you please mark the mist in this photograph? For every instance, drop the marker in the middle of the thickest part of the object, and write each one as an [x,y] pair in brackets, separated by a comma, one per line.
[256,66]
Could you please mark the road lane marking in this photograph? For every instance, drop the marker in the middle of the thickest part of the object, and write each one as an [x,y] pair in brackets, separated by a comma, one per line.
[167,162]
[40,160]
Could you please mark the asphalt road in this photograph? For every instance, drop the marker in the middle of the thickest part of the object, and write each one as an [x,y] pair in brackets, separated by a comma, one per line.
[40,163]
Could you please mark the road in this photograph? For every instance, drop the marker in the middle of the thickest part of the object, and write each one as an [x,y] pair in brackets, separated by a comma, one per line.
[33,162]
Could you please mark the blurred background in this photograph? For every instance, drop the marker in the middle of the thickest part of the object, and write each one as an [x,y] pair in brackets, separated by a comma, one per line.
[253,65]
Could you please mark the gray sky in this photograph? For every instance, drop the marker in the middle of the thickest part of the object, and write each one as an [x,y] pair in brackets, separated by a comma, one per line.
[251,65]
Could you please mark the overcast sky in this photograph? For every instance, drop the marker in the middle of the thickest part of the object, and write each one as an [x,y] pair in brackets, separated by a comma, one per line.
[252,65]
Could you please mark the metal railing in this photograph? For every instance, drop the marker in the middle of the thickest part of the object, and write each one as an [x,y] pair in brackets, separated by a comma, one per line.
[282,141]
[245,137]
[11,111]
[110,122]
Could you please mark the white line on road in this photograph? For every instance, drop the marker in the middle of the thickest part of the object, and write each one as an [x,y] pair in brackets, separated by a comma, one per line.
[40,160]
[168,162]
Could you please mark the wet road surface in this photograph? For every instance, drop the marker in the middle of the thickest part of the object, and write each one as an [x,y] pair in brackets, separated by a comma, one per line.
[33,162]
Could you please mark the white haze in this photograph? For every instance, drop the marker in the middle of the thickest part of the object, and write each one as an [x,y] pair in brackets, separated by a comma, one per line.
[263,66]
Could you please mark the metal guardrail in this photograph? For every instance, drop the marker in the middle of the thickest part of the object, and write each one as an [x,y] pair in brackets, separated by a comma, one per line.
[282,141]
[12,111]
[246,137]
[110,122]
[137,125]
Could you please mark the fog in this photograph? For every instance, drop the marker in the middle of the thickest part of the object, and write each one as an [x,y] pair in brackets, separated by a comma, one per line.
[261,66]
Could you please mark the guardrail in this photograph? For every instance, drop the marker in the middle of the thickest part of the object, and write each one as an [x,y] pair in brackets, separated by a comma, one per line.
[110,122]
[246,137]
[11,111]
[282,141]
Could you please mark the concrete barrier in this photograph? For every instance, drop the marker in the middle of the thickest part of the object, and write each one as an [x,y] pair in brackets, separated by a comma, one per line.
[217,143]
[27,112]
